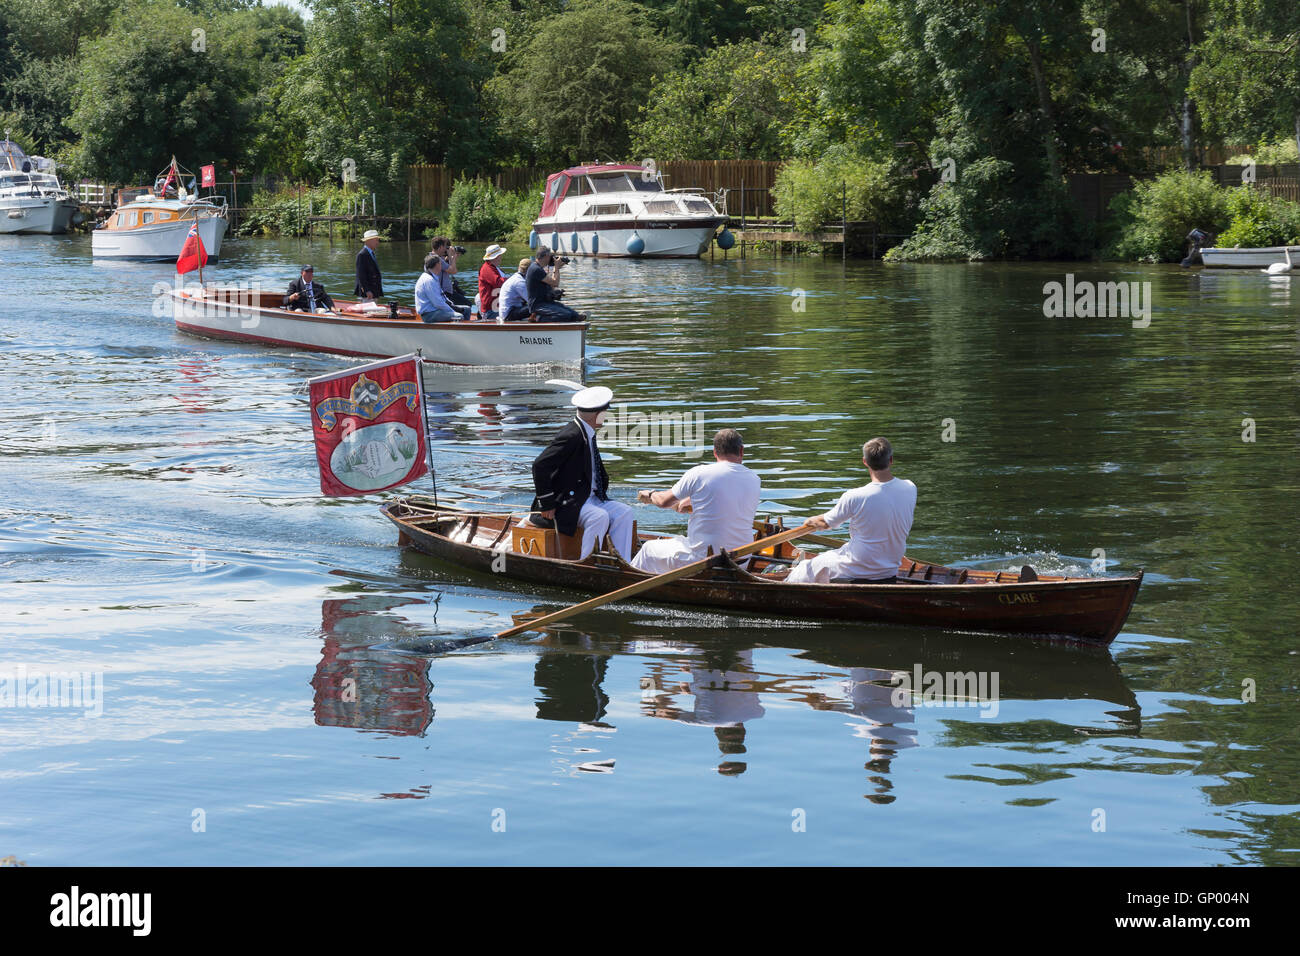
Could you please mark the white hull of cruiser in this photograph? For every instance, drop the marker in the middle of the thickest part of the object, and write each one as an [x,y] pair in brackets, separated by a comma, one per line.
[245,316]
[46,216]
[161,241]
[1260,258]
[680,239]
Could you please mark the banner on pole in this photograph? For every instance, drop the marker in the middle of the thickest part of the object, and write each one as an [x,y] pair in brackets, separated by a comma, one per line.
[209,174]
[368,423]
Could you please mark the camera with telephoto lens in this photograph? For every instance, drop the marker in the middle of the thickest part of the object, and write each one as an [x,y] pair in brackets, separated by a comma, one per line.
[562,260]
[459,250]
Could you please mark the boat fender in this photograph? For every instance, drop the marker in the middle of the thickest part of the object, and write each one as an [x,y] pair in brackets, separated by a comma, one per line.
[595,243]
[532,239]
[574,240]
[555,241]
[635,245]
[726,239]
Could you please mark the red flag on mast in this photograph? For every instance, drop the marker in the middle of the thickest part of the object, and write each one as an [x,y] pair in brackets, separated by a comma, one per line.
[368,423]
[193,255]
[209,174]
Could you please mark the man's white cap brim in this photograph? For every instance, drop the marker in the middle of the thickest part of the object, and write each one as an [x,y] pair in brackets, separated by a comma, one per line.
[592,399]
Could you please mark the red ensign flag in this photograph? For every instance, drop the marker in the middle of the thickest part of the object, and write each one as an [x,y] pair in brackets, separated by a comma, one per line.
[193,255]
[369,427]
[209,174]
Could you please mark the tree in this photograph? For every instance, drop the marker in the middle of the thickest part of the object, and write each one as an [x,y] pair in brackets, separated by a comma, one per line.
[1247,77]
[580,80]
[731,103]
[151,88]
[387,84]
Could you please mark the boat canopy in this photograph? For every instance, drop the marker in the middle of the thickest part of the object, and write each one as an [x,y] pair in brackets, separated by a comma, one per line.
[610,177]
[12,157]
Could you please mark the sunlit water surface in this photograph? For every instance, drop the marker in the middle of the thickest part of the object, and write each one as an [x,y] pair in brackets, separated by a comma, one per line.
[269,691]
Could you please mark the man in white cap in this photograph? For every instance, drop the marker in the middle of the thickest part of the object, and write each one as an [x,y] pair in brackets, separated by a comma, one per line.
[721,498]
[571,484]
[879,516]
[490,281]
[370,285]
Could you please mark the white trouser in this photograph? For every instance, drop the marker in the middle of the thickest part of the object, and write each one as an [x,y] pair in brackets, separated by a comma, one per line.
[818,570]
[599,517]
[664,554]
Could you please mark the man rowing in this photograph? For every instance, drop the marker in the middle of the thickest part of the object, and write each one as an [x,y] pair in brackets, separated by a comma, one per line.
[721,498]
[571,484]
[879,516]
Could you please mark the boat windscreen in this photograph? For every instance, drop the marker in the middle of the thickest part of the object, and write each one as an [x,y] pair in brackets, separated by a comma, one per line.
[662,207]
[609,183]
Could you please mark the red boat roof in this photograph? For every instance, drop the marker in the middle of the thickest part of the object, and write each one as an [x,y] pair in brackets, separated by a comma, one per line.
[607,168]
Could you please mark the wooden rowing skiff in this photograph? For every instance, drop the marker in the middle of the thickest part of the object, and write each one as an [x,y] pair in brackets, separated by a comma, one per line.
[1081,609]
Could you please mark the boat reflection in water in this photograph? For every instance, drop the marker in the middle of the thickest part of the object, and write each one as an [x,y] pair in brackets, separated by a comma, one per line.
[360,681]
[708,677]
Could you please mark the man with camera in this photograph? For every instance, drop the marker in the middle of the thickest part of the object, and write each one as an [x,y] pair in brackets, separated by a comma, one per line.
[430,303]
[450,255]
[542,283]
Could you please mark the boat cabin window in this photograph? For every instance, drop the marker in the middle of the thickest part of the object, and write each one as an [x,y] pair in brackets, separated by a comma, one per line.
[19,180]
[147,218]
[121,220]
[615,183]
[651,185]
[131,219]
[557,187]
[609,209]
[662,207]
[698,205]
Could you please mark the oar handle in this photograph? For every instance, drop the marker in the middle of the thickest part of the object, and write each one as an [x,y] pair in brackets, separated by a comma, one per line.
[640,587]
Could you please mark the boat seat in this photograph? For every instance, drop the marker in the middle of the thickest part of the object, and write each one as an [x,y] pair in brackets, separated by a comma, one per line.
[1028,574]
[527,538]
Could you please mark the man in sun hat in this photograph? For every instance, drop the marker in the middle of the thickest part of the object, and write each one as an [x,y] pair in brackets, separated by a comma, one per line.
[370,285]
[572,485]
[490,281]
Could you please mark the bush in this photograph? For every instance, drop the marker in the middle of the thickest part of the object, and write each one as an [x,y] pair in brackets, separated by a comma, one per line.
[478,210]
[283,211]
[812,195]
[1151,223]
[1271,154]
[1259,219]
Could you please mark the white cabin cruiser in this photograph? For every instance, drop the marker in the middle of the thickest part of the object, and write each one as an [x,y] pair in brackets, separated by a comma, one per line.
[151,222]
[623,210]
[31,198]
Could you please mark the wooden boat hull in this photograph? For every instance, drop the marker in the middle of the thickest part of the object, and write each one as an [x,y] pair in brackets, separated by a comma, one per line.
[1086,610]
[253,316]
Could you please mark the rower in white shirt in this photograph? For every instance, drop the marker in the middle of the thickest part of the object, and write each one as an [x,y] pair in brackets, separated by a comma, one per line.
[721,497]
[879,516]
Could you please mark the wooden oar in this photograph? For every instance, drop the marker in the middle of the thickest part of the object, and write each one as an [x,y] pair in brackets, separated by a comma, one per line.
[651,583]
[824,541]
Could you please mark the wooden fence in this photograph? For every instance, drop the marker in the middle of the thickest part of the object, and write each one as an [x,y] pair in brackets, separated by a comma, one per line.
[433,184]
[1093,192]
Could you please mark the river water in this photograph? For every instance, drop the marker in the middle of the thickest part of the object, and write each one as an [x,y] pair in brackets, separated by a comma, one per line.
[163,532]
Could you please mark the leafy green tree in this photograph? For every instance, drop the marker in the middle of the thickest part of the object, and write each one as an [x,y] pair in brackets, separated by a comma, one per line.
[580,80]
[1247,77]
[731,103]
[386,84]
[151,88]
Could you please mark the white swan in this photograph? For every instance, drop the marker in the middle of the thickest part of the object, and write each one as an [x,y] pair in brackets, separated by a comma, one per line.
[1277,268]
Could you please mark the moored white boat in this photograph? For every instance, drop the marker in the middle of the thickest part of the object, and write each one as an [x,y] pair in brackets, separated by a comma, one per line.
[1258,258]
[150,224]
[620,210]
[357,329]
[31,197]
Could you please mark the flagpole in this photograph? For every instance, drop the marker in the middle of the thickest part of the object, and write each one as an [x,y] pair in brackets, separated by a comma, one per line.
[424,407]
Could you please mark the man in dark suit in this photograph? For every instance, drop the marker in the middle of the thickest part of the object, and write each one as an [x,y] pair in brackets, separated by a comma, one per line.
[370,285]
[307,294]
[572,485]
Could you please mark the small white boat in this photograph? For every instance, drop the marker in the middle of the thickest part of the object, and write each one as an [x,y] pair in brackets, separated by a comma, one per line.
[31,197]
[1259,258]
[151,222]
[621,210]
[371,330]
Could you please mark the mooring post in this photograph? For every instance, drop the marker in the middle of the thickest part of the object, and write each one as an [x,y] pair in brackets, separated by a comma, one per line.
[408,213]
[844,221]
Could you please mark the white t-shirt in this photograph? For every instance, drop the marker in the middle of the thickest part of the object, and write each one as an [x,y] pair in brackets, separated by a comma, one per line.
[879,517]
[724,497]
[513,293]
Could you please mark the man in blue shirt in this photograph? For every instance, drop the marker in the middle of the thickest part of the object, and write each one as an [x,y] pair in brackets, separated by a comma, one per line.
[541,284]
[429,299]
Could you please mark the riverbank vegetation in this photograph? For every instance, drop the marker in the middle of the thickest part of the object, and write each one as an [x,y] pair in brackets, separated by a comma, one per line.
[954,124]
